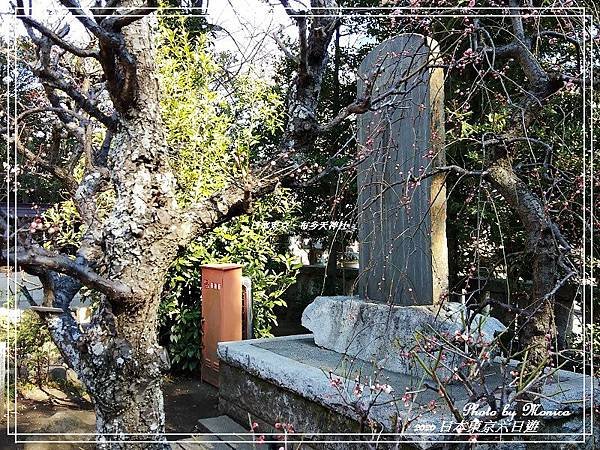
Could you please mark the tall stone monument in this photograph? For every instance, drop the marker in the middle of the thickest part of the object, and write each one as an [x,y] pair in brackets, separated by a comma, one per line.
[401,213]
[403,276]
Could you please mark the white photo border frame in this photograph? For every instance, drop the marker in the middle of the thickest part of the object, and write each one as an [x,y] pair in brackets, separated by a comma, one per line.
[380,12]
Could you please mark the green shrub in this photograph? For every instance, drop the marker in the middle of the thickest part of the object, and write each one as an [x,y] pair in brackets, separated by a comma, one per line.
[250,240]
[35,350]
[216,124]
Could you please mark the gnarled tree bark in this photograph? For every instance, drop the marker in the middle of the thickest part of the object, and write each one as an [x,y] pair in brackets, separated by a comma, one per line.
[125,255]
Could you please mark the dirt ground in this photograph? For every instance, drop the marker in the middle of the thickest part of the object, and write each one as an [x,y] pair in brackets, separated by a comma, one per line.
[186,401]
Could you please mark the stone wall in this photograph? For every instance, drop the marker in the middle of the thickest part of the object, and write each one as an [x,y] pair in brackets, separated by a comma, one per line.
[250,397]
[286,380]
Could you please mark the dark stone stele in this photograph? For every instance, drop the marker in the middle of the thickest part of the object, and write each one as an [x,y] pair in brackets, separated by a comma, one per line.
[401,225]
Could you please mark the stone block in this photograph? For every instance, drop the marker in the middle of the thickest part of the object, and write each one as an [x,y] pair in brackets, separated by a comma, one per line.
[289,379]
[385,334]
[402,225]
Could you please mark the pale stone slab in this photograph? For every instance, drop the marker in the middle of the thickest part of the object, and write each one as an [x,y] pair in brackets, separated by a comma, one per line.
[382,333]
[233,434]
[200,443]
[287,378]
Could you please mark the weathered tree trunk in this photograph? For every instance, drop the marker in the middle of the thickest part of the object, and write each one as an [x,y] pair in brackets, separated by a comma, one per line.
[125,254]
[120,363]
[123,363]
[141,240]
[537,329]
[303,128]
[143,420]
[127,382]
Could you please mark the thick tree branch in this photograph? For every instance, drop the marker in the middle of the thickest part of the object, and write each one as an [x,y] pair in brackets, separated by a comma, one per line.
[286,51]
[57,38]
[89,23]
[289,10]
[457,169]
[85,199]
[517,20]
[36,259]
[50,109]
[101,11]
[55,80]
[302,128]
[52,79]
[117,62]
[117,21]
[63,328]
[234,201]
[302,63]
[541,84]
[62,114]
[211,212]
[358,106]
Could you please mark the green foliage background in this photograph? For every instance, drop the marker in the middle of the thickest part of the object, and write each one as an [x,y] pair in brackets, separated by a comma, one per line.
[215,124]
[249,240]
[34,347]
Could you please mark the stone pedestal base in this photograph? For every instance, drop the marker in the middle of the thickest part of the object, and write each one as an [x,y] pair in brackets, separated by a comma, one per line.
[294,381]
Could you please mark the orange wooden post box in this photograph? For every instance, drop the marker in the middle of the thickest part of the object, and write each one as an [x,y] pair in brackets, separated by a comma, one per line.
[221,313]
